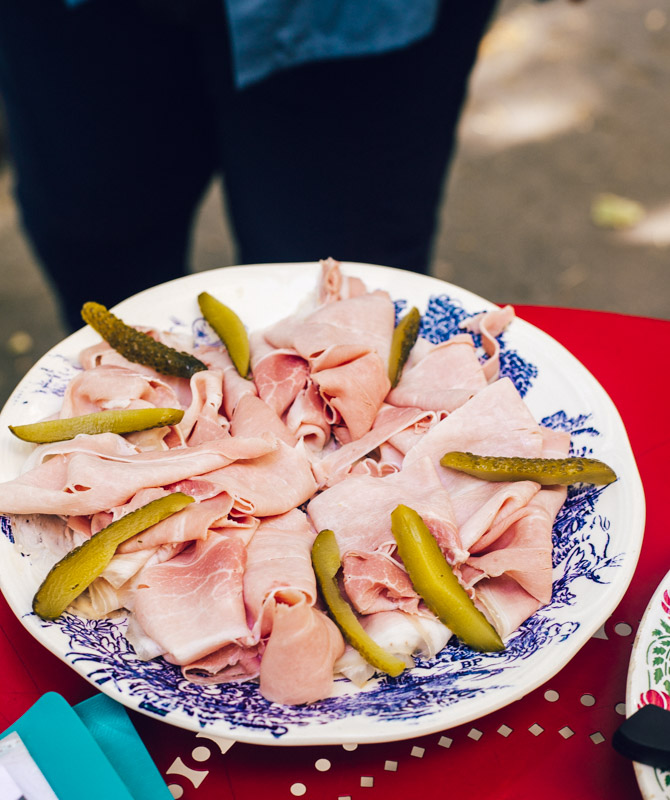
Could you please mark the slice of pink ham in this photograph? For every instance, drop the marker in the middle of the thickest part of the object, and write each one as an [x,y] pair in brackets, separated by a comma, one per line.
[234,385]
[101,444]
[491,324]
[496,421]
[403,441]
[309,419]
[391,455]
[229,664]
[389,422]
[376,582]
[114,387]
[103,354]
[202,421]
[355,391]
[505,603]
[378,469]
[334,286]
[266,486]
[279,567]
[187,525]
[83,483]
[114,588]
[346,345]
[192,605]
[521,552]
[365,322]
[297,665]
[460,376]
[96,522]
[358,509]
[279,374]
[253,417]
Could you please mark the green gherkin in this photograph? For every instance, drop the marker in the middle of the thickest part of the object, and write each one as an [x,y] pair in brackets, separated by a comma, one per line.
[435,582]
[114,420]
[139,347]
[77,570]
[545,471]
[326,563]
[229,328]
[404,336]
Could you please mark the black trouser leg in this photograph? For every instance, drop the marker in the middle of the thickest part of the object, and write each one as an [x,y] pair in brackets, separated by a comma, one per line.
[111,139]
[347,158]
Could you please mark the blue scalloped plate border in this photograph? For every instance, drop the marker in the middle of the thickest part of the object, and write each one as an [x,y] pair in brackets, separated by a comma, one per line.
[597,535]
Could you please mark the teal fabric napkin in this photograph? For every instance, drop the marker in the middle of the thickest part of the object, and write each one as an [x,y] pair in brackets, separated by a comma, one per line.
[110,725]
[91,750]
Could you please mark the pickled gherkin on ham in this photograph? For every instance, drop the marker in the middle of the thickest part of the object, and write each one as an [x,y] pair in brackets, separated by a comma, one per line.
[404,336]
[436,584]
[326,563]
[139,347]
[74,573]
[119,421]
[545,471]
[229,328]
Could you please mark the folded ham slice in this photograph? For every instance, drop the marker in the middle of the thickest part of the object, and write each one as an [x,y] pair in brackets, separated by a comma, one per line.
[365,321]
[355,391]
[202,421]
[266,486]
[390,422]
[457,364]
[279,374]
[358,510]
[107,387]
[192,605]
[345,347]
[279,567]
[280,592]
[511,572]
[497,422]
[84,483]
[297,665]
[229,664]
[334,286]
[309,419]
[187,525]
[234,385]
[104,355]
[490,325]
[376,582]
[253,417]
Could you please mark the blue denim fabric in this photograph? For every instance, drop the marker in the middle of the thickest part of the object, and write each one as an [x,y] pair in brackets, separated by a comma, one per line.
[269,35]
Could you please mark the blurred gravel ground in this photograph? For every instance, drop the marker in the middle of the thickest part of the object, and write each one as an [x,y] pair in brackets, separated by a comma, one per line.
[568,101]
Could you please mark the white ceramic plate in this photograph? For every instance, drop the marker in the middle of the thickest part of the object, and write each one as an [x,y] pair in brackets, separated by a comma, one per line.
[649,679]
[597,535]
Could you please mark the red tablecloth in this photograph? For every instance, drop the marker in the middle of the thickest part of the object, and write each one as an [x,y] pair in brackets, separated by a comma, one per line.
[554,743]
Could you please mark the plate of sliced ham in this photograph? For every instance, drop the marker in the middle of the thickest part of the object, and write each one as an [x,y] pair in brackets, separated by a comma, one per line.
[211,619]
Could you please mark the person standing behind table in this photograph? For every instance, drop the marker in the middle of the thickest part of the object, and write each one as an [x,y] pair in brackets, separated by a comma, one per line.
[332,123]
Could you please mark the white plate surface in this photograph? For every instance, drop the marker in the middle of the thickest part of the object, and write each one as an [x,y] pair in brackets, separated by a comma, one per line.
[597,535]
